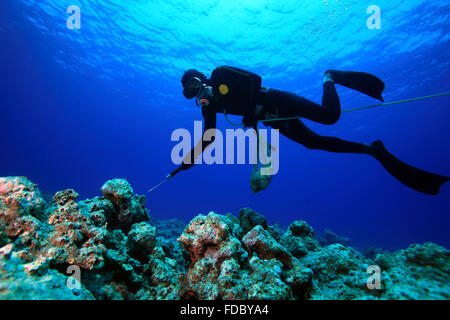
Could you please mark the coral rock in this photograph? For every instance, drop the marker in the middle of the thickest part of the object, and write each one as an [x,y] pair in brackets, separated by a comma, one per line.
[75,239]
[329,237]
[339,273]
[122,256]
[249,219]
[141,240]
[16,284]
[211,244]
[5,251]
[66,196]
[419,272]
[260,241]
[19,197]
[204,232]
[266,280]
[131,208]
[37,267]
[299,239]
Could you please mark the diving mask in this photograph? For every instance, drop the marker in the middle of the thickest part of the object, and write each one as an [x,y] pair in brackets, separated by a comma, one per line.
[195,88]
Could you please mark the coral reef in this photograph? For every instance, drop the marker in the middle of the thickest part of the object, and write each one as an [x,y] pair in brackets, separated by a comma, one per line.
[248,219]
[130,207]
[108,239]
[123,254]
[427,275]
[222,267]
[299,239]
[328,237]
[18,284]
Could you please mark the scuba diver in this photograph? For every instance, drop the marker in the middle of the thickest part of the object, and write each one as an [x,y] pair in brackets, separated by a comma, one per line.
[234,91]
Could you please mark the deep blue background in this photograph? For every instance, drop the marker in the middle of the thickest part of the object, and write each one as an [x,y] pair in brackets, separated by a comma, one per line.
[80,107]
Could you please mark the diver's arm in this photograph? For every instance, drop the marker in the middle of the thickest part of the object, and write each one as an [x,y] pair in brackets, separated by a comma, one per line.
[209,116]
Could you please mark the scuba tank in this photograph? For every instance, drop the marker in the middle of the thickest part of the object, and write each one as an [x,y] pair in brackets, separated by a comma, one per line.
[237,87]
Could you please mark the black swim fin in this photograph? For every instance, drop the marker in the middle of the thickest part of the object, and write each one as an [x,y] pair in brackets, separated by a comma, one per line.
[417,179]
[360,81]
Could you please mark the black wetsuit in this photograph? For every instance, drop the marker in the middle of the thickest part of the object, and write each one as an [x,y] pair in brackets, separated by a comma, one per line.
[272,103]
[284,105]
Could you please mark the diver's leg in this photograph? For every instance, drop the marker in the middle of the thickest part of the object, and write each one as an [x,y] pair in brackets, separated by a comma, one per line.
[287,104]
[298,132]
[360,81]
[417,179]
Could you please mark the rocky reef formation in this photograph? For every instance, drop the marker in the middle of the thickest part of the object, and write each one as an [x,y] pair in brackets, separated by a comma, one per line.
[123,254]
[107,237]
[328,237]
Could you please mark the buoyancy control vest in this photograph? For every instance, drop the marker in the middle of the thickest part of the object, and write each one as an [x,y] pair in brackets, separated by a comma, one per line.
[236,87]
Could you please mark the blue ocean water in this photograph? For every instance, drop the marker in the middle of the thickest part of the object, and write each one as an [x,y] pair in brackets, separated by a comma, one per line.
[79,107]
